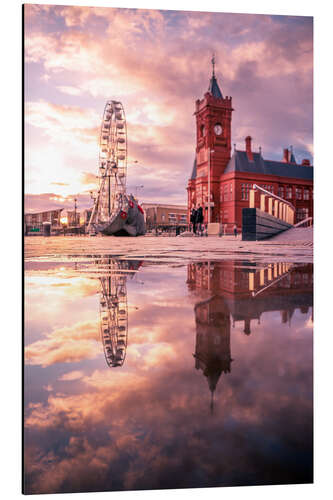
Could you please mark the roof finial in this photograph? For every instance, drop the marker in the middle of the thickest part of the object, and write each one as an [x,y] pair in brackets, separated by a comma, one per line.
[213,64]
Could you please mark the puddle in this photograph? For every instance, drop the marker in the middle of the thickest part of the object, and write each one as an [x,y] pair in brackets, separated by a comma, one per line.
[168,375]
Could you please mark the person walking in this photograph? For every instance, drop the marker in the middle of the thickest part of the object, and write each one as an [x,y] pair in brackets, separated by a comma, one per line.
[199,219]
[193,219]
[235,230]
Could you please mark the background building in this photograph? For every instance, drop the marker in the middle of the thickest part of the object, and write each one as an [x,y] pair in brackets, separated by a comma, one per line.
[230,177]
[162,216]
[33,223]
[73,218]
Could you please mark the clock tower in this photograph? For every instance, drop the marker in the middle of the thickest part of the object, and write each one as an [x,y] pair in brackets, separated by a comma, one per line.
[213,147]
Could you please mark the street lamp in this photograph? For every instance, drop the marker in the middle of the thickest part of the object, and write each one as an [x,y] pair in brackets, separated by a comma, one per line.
[209,153]
[75,207]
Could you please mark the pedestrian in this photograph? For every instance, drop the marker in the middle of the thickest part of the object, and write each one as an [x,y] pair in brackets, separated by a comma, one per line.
[235,230]
[193,219]
[199,219]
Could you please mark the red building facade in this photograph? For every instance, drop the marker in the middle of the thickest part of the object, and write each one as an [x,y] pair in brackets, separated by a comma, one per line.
[229,176]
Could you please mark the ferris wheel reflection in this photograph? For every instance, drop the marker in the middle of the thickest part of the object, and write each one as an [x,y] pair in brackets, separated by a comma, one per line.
[113,308]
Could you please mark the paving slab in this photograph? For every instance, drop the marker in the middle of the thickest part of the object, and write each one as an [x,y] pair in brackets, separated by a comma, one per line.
[297,246]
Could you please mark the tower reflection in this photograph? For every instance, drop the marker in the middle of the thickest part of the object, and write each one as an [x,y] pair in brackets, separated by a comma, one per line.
[212,350]
[113,307]
[235,292]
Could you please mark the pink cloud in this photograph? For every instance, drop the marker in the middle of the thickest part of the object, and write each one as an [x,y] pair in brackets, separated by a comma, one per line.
[144,59]
[65,345]
[69,376]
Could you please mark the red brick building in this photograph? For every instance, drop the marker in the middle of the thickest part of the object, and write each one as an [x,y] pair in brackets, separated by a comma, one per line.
[230,176]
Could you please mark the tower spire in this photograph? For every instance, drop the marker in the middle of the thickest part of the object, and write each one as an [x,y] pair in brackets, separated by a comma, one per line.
[212,402]
[214,88]
[213,64]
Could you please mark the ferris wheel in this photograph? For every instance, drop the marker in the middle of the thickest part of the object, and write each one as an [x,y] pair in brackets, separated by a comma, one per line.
[113,312]
[112,164]
[114,212]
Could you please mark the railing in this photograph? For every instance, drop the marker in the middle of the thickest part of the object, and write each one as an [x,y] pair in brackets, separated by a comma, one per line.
[308,222]
[271,275]
[275,206]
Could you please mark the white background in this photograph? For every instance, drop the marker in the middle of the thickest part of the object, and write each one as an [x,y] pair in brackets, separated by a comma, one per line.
[11,265]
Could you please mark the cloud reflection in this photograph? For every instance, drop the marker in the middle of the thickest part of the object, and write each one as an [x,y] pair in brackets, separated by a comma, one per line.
[148,423]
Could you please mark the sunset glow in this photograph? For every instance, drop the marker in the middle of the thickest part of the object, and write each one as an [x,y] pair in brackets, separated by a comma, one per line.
[157,63]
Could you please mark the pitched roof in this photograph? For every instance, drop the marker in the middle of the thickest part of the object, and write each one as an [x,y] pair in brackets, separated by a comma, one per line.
[292,158]
[214,88]
[194,170]
[239,163]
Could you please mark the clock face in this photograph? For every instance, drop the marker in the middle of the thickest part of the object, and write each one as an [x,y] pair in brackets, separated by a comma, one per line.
[218,129]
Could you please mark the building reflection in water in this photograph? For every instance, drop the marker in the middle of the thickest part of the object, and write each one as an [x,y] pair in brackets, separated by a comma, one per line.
[113,307]
[242,291]
[212,351]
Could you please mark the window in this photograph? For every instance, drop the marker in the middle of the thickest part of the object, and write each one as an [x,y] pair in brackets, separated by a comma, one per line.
[281,191]
[306,194]
[172,217]
[245,191]
[301,214]
[289,193]
[298,193]
[226,192]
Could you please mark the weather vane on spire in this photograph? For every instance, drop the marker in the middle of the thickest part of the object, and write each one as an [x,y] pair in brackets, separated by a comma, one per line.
[213,63]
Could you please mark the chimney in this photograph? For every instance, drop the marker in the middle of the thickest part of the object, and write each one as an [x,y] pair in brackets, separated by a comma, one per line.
[286,155]
[248,140]
[306,162]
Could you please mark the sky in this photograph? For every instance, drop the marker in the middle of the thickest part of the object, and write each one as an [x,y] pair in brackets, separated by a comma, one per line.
[157,63]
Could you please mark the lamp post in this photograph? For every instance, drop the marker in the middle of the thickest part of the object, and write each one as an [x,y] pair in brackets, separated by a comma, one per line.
[209,153]
[75,207]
